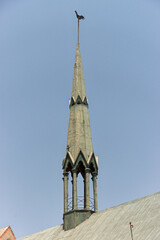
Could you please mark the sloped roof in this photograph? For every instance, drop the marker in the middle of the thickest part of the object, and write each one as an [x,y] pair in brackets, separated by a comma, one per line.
[113,223]
[2,230]
[7,231]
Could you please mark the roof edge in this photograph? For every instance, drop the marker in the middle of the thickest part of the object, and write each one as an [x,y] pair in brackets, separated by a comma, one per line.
[130,202]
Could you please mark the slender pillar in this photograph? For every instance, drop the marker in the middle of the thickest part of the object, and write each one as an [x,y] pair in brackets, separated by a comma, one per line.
[74,190]
[65,180]
[94,178]
[87,171]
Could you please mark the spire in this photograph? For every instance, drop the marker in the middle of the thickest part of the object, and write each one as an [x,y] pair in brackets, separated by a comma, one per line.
[79,133]
[80,158]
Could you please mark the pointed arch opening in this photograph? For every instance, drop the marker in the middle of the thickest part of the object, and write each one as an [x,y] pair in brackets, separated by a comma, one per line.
[70,191]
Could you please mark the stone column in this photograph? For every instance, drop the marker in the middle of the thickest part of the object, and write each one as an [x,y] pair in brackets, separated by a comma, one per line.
[94,178]
[74,192]
[65,180]
[87,171]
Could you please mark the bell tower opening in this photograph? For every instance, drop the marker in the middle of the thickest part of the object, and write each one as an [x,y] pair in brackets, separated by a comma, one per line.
[77,208]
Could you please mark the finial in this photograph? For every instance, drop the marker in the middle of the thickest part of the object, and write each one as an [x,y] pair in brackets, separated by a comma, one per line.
[79,17]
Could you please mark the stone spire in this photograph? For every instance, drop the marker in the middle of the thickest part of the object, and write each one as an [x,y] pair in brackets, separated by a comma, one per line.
[80,158]
[78,87]
[79,133]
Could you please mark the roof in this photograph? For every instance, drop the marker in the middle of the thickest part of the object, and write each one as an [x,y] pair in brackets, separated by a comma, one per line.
[113,223]
[2,230]
[79,133]
[5,231]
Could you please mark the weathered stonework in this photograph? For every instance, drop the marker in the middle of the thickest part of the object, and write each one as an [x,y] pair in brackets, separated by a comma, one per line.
[74,218]
[80,158]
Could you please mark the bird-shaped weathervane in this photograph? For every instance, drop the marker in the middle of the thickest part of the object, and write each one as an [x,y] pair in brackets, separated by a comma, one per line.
[79,17]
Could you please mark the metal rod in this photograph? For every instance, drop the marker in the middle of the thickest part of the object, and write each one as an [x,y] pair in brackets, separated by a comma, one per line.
[78,30]
[131,226]
[79,17]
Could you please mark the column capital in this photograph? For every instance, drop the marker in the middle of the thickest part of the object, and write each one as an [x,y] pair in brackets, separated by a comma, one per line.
[65,174]
[74,170]
[94,175]
[87,170]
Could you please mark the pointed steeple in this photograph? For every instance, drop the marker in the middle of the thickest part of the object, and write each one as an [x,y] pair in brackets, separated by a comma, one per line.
[80,158]
[78,87]
[79,133]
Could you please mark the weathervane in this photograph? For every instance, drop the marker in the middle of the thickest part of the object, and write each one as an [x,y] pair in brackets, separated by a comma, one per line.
[79,17]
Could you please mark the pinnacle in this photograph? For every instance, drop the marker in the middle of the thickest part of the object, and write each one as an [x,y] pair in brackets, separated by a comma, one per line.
[78,87]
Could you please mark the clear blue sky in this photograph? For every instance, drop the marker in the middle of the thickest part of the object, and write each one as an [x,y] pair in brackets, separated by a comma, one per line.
[120,48]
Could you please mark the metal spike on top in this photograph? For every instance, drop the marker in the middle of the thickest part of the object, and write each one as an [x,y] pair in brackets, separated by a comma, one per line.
[79,17]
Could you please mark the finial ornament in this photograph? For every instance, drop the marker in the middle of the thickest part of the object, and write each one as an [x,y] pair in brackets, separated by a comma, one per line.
[79,17]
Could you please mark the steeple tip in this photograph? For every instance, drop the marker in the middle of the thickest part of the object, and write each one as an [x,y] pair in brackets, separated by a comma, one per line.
[78,87]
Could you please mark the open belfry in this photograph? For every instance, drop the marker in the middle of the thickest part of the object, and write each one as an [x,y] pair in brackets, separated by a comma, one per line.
[80,157]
